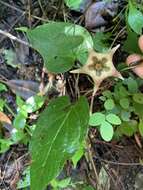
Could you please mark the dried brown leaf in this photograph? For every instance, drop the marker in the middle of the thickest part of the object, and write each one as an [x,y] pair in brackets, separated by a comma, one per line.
[4,118]
[23,88]
[96,13]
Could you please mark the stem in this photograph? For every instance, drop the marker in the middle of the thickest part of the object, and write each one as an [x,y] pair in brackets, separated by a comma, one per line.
[7,34]
[9,109]
[89,158]
[92,98]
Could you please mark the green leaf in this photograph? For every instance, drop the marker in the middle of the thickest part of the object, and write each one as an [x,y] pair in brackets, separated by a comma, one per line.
[113,119]
[124,102]
[19,121]
[128,43]
[17,135]
[141,128]
[60,44]
[22,29]
[109,104]
[25,181]
[132,85]
[73,4]
[107,93]
[120,91]
[5,145]
[60,130]
[125,115]
[11,58]
[106,131]
[123,91]
[96,119]
[60,184]
[2,103]
[78,155]
[88,188]
[135,18]
[128,128]
[138,109]
[138,98]
[100,41]
[33,103]
[19,101]
[3,87]
[103,98]
[116,110]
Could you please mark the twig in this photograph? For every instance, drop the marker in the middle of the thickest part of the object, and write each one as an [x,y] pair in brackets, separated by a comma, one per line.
[12,37]
[41,7]
[118,163]
[21,11]
[117,36]
[10,6]
[89,158]
[29,12]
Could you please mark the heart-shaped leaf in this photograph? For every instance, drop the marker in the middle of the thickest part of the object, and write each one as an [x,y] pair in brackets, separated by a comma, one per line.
[60,130]
[60,44]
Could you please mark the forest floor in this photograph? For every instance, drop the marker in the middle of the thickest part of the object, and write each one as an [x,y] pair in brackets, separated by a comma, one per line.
[120,160]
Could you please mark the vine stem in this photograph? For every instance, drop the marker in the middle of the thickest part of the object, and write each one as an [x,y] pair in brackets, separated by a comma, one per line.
[92,98]
[89,156]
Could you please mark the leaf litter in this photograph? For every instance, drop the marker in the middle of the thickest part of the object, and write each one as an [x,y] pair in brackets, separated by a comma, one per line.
[124,152]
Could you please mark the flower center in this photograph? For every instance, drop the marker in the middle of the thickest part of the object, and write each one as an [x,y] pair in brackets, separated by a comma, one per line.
[98,65]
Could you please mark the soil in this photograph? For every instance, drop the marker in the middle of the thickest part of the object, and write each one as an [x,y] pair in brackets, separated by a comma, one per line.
[122,160]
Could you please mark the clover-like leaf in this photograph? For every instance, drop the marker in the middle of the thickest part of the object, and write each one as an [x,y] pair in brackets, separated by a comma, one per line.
[106,131]
[124,102]
[113,119]
[132,85]
[125,115]
[138,98]
[128,128]
[109,104]
[96,119]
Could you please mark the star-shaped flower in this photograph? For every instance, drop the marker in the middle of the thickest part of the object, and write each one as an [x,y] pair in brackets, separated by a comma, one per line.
[99,66]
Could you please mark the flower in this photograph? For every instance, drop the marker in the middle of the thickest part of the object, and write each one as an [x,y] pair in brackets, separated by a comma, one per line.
[99,66]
